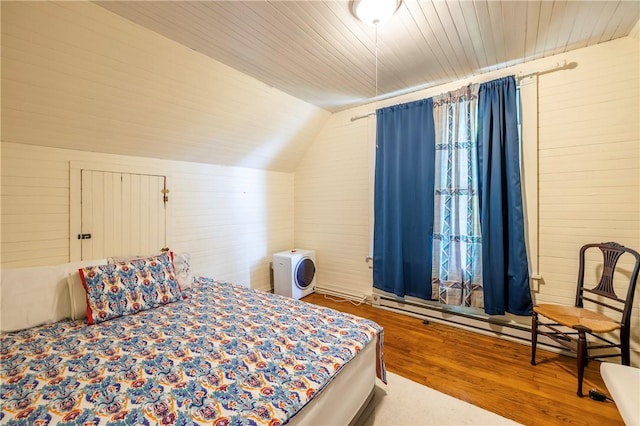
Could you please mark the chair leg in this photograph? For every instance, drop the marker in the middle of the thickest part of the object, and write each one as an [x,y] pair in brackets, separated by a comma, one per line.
[624,348]
[581,357]
[534,337]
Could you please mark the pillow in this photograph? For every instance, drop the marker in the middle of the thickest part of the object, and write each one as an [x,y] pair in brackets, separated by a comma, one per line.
[77,291]
[77,294]
[118,259]
[30,297]
[124,288]
[37,295]
[182,265]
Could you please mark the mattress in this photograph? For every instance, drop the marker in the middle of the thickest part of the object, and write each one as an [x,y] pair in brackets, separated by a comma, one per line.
[346,396]
[225,354]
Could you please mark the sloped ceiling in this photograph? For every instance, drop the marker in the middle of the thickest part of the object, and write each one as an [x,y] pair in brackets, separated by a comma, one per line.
[317,51]
[251,83]
[77,76]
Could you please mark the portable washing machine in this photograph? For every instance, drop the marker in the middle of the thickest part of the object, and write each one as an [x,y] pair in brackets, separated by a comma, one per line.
[294,273]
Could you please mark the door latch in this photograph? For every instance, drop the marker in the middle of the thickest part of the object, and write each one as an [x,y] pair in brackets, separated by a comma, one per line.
[84,236]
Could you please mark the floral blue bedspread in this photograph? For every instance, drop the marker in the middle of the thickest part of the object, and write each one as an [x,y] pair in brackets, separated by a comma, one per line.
[222,355]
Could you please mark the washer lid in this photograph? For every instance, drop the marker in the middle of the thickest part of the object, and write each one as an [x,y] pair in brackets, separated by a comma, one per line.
[305,271]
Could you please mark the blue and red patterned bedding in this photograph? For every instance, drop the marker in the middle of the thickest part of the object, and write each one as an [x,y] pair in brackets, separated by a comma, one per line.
[223,355]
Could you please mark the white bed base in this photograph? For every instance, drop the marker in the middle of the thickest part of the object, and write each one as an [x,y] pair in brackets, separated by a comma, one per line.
[345,399]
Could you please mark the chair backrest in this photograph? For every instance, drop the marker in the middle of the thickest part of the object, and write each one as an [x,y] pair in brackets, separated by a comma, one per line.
[611,252]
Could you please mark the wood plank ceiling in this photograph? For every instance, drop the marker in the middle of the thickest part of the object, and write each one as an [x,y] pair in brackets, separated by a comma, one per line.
[318,52]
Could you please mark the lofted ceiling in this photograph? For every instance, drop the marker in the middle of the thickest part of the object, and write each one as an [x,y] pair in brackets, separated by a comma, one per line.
[318,52]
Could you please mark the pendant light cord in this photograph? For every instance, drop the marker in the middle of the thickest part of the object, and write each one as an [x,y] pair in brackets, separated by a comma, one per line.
[376,61]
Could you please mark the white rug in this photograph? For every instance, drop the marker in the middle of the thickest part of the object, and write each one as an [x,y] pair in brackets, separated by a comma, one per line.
[403,402]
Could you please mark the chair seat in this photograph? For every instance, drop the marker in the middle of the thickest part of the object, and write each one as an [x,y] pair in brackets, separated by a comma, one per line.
[570,316]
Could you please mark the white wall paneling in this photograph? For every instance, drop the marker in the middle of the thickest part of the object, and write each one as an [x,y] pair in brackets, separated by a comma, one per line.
[332,204]
[231,219]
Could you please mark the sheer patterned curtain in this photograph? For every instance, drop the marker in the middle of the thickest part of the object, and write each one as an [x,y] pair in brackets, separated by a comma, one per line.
[457,251]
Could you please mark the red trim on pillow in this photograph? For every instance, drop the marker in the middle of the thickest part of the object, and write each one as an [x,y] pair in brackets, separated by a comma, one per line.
[86,297]
[174,272]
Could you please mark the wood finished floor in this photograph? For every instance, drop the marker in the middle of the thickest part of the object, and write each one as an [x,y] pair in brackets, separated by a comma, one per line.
[486,371]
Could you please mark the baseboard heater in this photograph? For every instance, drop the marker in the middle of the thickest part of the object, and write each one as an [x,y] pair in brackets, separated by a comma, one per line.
[467,319]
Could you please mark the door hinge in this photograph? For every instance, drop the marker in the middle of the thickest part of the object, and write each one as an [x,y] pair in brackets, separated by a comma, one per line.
[165,197]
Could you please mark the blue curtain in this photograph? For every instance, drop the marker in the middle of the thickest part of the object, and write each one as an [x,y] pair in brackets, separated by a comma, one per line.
[403,203]
[505,271]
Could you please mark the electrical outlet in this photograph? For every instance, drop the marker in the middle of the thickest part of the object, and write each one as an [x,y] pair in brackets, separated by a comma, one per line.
[375,300]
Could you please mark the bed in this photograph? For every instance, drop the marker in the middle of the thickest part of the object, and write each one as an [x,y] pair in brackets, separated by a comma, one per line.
[218,354]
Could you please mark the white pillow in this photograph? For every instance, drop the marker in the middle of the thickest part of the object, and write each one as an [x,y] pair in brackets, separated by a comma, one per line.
[182,265]
[32,296]
[118,259]
[36,295]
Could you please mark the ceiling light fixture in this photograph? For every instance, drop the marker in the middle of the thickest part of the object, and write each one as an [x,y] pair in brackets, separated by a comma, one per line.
[374,12]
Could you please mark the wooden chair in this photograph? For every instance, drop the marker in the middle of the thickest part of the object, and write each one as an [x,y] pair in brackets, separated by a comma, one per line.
[572,324]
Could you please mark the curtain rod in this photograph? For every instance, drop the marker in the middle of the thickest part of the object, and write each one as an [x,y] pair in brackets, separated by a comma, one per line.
[556,67]
[564,65]
[358,117]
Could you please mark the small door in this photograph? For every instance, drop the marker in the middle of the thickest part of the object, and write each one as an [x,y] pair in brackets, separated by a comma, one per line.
[305,271]
[122,214]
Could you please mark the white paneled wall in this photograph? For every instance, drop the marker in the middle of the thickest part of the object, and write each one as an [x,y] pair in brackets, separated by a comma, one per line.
[231,219]
[332,205]
[589,171]
[589,161]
